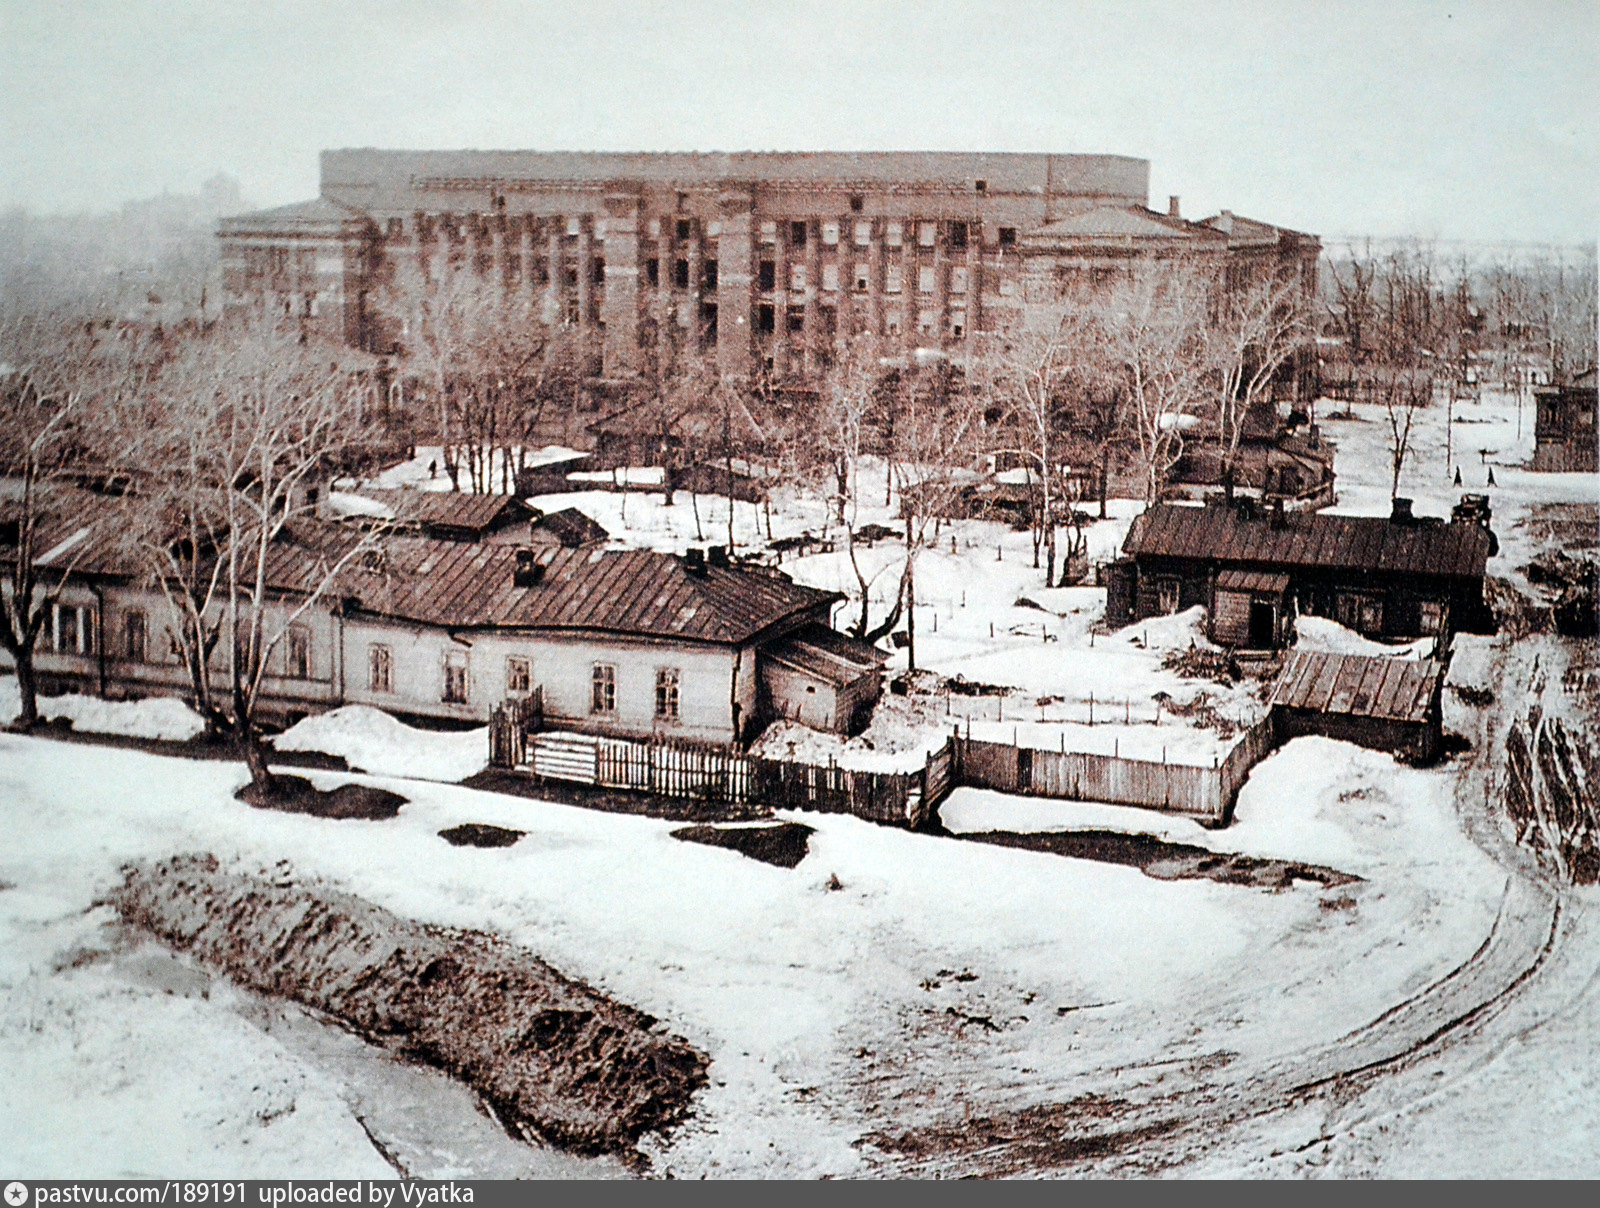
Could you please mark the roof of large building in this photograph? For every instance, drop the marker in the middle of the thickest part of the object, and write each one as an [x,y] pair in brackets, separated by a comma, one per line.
[1362,685]
[636,592]
[1126,222]
[1220,533]
[319,212]
[370,177]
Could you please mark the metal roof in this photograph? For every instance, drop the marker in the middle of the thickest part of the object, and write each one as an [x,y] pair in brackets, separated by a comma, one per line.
[1219,533]
[452,509]
[637,592]
[1358,684]
[1252,580]
[569,527]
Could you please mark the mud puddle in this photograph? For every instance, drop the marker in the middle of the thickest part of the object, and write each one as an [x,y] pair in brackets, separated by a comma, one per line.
[1166,861]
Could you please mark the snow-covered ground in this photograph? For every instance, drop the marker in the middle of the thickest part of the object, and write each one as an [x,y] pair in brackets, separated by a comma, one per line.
[369,740]
[825,1011]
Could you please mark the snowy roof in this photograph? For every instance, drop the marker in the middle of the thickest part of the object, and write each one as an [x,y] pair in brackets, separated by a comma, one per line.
[443,513]
[1219,533]
[1358,684]
[637,592]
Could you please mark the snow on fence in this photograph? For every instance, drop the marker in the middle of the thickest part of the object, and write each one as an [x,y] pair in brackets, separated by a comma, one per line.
[1081,776]
[707,772]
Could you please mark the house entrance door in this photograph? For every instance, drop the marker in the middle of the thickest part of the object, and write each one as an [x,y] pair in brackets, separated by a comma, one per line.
[1263,625]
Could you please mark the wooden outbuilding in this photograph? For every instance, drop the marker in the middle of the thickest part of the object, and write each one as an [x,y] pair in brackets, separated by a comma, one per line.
[1251,609]
[1387,704]
[822,678]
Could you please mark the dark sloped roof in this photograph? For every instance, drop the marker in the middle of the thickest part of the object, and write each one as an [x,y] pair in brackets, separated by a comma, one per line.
[1363,543]
[453,509]
[833,657]
[572,528]
[1358,684]
[623,591]
[1252,580]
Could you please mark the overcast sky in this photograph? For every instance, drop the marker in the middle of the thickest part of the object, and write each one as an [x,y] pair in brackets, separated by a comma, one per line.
[1457,120]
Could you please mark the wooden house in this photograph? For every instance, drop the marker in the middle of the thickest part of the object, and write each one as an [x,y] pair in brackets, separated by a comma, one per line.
[568,528]
[1565,433]
[1398,577]
[1387,704]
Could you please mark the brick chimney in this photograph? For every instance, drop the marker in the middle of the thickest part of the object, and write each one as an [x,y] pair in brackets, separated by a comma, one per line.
[1172,206]
[1400,512]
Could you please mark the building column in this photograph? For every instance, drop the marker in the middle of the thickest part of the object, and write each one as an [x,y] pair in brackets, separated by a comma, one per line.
[554,227]
[735,285]
[585,277]
[813,295]
[620,306]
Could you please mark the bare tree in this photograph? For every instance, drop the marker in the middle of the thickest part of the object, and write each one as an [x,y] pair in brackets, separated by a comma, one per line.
[51,368]
[239,425]
[1152,328]
[1404,393]
[1259,327]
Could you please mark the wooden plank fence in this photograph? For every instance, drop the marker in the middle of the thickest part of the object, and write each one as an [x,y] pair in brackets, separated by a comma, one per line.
[713,773]
[1080,776]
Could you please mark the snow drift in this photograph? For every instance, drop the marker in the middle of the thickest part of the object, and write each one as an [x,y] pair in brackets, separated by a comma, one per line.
[161,717]
[557,1060]
[369,740]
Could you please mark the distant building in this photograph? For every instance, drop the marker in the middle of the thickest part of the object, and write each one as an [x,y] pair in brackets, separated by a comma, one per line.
[768,261]
[1565,431]
[1253,568]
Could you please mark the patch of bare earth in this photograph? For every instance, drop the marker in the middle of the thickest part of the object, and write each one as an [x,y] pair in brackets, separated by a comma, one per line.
[558,1062]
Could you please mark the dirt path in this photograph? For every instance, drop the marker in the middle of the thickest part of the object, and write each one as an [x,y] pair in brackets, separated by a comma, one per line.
[1536,962]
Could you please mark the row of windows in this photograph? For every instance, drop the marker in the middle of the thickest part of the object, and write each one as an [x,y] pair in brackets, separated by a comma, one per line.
[794,320]
[519,681]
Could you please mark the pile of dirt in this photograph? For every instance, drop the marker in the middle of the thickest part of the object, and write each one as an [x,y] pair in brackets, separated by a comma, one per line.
[480,834]
[1203,663]
[297,795]
[559,1062]
[783,843]
[1167,861]
[1575,584]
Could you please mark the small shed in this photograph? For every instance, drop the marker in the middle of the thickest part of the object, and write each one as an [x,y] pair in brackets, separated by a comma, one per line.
[568,528]
[1388,704]
[822,678]
[1250,609]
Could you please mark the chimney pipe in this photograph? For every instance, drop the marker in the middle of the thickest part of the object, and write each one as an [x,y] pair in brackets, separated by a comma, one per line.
[717,555]
[694,561]
[1279,518]
[1172,206]
[1401,513]
[529,571]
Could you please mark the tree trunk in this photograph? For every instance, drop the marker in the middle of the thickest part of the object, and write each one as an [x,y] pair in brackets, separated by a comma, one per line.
[255,758]
[27,690]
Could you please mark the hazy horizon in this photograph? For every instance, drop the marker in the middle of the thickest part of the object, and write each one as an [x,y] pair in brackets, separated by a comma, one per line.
[1470,122]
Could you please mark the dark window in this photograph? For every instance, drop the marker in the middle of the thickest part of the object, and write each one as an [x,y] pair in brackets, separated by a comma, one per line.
[297,652]
[519,676]
[981,186]
[380,663]
[667,693]
[830,320]
[711,274]
[572,278]
[684,228]
[797,233]
[133,636]
[652,271]
[856,203]
[767,276]
[766,318]
[958,235]
[396,228]
[708,325]
[604,684]
[599,271]
[455,677]
[1008,236]
[796,318]
[680,274]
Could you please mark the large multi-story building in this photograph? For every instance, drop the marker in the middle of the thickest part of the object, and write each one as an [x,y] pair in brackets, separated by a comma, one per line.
[770,260]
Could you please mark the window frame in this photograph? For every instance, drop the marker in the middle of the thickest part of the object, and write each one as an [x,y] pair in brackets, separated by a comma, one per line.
[297,652]
[135,621]
[519,667]
[603,690]
[669,694]
[380,656]
[454,688]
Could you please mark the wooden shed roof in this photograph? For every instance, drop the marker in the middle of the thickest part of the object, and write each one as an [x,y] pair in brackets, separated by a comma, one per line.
[1253,580]
[1362,543]
[1362,685]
